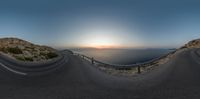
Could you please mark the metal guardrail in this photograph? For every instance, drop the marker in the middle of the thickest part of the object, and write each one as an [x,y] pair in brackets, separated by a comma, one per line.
[121,67]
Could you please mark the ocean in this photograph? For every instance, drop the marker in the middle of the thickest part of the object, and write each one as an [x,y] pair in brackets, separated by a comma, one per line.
[123,56]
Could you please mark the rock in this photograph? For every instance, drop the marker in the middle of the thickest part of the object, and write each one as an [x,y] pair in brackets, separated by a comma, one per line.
[27,54]
[21,47]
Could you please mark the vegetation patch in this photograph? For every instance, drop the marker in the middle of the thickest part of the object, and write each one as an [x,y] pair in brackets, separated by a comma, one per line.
[3,50]
[20,58]
[14,50]
[26,51]
[51,55]
[28,59]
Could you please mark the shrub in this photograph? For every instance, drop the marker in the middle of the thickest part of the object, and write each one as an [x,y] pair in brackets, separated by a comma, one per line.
[24,58]
[3,50]
[19,58]
[15,50]
[183,47]
[43,54]
[51,55]
[35,56]
[28,59]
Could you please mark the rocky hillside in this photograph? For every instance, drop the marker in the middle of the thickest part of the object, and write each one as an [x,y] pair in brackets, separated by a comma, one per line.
[25,51]
[193,44]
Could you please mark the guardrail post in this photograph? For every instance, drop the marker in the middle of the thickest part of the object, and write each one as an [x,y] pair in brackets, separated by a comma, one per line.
[138,68]
[92,60]
[83,56]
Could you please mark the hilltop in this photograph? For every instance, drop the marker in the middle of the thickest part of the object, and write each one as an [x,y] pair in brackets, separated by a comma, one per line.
[25,51]
[193,44]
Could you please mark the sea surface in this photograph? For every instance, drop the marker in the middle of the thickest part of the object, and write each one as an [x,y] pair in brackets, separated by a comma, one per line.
[123,56]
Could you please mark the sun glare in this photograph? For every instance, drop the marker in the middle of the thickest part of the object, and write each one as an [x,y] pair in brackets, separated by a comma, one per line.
[103,35]
[101,42]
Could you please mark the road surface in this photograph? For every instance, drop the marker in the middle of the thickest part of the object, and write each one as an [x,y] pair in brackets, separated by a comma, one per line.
[78,79]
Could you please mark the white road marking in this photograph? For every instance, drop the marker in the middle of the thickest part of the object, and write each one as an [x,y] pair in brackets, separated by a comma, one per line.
[14,71]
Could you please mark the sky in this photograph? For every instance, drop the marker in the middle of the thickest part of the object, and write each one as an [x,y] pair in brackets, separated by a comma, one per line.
[102,23]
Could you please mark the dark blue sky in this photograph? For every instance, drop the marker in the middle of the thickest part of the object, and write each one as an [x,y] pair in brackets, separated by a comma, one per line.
[124,23]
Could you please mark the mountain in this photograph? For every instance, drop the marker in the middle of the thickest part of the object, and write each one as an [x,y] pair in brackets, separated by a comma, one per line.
[25,51]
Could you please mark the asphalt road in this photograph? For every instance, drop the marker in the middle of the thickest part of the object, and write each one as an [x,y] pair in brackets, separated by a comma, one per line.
[32,68]
[78,79]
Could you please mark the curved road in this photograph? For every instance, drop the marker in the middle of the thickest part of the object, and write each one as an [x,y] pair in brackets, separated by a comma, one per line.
[32,68]
[78,79]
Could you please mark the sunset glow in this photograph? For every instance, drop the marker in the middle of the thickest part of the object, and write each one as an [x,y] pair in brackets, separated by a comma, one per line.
[102,42]
[105,39]
[102,24]
[102,34]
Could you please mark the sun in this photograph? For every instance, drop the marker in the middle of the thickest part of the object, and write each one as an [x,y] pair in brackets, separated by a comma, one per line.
[102,42]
